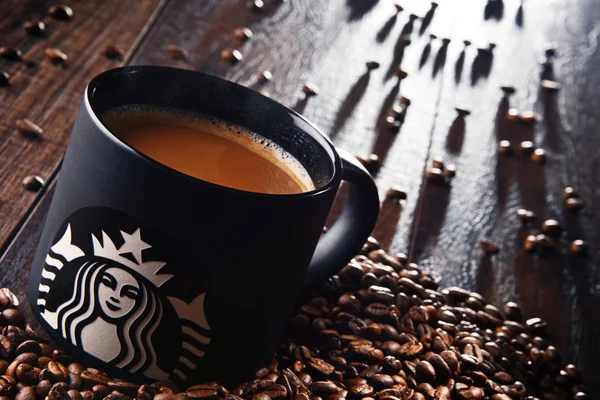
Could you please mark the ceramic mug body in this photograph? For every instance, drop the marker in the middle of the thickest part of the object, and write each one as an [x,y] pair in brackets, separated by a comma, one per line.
[148,273]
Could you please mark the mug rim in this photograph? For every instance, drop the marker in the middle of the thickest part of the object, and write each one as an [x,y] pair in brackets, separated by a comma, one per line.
[317,134]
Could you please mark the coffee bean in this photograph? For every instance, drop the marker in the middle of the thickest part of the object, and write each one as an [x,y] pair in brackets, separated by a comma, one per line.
[546,64]
[34,27]
[549,50]
[310,89]
[449,171]
[7,299]
[360,390]
[265,76]
[552,227]
[504,147]
[538,156]
[61,12]
[56,56]
[401,74]
[437,162]
[4,79]
[311,311]
[75,382]
[569,193]
[503,377]
[42,388]
[404,102]
[528,117]
[7,385]
[56,372]
[536,325]
[28,358]
[59,392]
[322,388]
[582,396]
[28,129]
[13,316]
[27,393]
[531,243]
[113,52]
[255,5]
[550,86]
[27,374]
[435,176]
[320,366]
[462,110]
[512,115]
[395,194]
[33,183]
[76,395]
[574,204]
[101,391]
[425,371]
[489,247]
[29,346]
[514,327]
[469,361]
[243,33]
[232,56]
[426,389]
[508,89]
[11,53]
[418,314]
[468,392]
[393,123]
[275,392]
[177,52]
[381,381]
[75,368]
[61,357]
[349,302]
[11,370]
[255,386]
[92,378]
[525,215]
[578,247]
[526,147]
[371,65]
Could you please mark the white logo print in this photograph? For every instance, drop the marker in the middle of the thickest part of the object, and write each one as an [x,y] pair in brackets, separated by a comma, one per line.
[115,308]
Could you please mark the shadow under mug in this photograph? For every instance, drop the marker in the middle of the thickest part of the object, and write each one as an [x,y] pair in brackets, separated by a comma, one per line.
[147,273]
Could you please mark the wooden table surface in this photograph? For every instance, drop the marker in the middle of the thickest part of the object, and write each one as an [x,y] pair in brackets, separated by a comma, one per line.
[327,42]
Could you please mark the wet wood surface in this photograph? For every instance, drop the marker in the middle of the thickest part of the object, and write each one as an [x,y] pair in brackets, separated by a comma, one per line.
[327,43]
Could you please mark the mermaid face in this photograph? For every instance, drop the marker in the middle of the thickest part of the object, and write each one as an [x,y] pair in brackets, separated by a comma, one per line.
[118,292]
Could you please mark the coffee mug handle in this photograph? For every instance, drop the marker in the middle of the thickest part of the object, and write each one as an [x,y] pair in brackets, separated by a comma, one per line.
[354,225]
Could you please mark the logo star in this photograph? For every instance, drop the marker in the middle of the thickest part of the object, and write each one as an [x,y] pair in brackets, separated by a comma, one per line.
[134,245]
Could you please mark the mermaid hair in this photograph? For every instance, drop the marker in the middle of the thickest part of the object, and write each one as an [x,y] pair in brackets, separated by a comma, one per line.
[135,332]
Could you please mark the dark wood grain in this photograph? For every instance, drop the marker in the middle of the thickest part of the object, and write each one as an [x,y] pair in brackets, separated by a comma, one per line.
[327,43]
[49,94]
[482,201]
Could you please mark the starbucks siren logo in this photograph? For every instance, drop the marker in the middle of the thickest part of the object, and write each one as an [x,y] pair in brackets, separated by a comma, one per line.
[115,309]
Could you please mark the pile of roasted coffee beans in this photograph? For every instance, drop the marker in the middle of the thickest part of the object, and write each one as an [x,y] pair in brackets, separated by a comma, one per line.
[380,329]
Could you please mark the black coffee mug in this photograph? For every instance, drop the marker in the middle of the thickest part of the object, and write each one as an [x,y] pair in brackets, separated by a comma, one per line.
[147,273]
